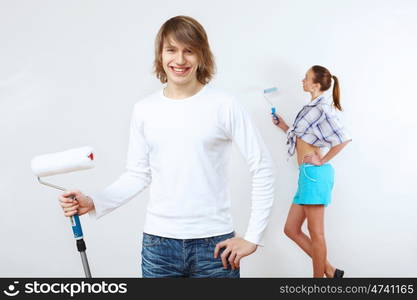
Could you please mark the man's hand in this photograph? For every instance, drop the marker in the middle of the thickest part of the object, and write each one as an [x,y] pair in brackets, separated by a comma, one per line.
[236,249]
[75,202]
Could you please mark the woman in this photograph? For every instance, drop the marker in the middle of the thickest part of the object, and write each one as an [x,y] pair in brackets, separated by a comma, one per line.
[316,126]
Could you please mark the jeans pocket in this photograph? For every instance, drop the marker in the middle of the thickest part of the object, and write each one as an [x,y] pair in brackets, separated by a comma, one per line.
[150,240]
[219,238]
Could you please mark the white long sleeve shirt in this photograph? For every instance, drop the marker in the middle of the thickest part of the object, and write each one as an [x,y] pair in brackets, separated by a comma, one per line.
[181,149]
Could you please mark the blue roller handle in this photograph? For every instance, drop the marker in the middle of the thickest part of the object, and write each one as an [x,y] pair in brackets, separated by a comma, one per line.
[273,114]
[76,227]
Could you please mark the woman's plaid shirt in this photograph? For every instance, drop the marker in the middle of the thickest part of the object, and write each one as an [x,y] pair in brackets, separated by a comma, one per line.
[318,125]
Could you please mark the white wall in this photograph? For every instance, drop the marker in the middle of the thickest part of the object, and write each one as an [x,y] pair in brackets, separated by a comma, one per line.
[71,72]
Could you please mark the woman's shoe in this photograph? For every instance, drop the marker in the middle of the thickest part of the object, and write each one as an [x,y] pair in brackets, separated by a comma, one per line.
[338,273]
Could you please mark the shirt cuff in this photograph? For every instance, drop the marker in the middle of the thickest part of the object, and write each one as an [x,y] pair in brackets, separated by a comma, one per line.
[96,213]
[254,239]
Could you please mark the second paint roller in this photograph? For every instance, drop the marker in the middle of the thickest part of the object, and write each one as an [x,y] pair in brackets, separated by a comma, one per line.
[268,93]
[64,162]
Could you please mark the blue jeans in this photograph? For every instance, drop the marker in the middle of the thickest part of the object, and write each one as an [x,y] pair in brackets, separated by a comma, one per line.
[167,257]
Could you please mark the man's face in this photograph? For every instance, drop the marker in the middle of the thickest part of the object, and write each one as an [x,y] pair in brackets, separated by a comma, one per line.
[180,63]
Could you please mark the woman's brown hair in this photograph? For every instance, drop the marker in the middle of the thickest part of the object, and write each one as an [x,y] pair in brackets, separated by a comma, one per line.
[187,31]
[323,76]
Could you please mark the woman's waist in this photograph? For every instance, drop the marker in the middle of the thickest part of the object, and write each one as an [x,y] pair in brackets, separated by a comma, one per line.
[303,149]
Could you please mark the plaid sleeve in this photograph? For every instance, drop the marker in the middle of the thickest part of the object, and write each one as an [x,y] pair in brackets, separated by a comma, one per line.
[330,130]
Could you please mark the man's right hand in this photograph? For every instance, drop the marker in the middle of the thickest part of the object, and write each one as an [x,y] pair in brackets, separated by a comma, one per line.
[74,202]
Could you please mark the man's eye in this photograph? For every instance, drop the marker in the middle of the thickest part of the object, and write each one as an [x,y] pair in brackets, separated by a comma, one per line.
[189,51]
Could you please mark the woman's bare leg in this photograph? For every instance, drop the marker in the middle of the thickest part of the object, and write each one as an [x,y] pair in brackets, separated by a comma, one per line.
[292,229]
[315,222]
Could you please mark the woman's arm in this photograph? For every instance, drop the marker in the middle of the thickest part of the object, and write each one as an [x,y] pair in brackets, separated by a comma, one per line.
[314,158]
[281,123]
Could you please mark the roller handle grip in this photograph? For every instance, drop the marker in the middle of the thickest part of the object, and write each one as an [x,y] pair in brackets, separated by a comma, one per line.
[76,225]
[273,114]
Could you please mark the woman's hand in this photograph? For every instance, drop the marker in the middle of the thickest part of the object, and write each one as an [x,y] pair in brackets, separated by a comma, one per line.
[313,159]
[280,123]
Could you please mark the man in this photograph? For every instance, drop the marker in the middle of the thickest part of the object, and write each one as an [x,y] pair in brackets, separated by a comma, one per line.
[180,139]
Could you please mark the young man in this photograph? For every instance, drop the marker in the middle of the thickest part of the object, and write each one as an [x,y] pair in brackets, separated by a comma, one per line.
[180,139]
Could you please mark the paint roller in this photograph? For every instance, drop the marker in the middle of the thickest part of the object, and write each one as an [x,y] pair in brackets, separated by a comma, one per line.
[64,162]
[268,93]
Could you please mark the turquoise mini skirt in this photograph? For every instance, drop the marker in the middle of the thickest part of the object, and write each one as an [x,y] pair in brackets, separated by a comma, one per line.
[315,184]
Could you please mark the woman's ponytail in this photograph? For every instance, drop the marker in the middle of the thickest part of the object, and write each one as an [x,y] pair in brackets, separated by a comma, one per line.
[324,78]
[336,93]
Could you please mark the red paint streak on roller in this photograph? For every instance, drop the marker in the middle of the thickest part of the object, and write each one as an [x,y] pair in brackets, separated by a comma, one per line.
[91,156]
